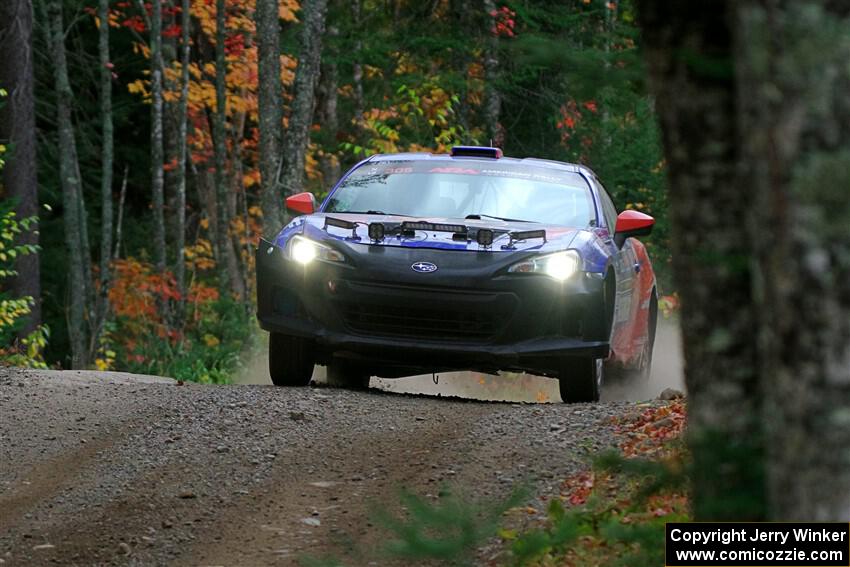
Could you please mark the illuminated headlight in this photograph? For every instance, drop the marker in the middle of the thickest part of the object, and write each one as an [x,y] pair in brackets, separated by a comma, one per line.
[559,266]
[303,250]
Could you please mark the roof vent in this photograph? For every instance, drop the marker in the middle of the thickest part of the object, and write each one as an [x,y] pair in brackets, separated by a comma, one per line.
[476,151]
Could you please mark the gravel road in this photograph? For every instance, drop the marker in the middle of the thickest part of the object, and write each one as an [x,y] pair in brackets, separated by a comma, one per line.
[116,469]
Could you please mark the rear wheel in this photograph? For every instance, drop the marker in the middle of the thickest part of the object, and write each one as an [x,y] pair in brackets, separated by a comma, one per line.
[345,374]
[290,360]
[580,379]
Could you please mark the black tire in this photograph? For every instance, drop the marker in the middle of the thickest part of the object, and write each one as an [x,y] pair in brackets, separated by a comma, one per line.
[290,360]
[344,374]
[580,379]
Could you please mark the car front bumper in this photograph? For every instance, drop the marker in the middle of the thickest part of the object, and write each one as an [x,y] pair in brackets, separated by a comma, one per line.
[466,316]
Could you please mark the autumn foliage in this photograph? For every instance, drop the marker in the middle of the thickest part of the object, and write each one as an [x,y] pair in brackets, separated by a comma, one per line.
[614,512]
[648,433]
[393,77]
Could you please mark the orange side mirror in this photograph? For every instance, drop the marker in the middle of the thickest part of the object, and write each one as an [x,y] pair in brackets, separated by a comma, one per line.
[632,223]
[302,203]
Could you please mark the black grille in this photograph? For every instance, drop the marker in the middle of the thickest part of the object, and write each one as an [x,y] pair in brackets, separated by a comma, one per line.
[424,323]
[426,314]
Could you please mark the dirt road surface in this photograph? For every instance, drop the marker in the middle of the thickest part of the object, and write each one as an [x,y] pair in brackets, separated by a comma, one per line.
[116,469]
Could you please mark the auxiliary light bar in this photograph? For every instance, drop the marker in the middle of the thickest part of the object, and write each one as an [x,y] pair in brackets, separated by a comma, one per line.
[436,227]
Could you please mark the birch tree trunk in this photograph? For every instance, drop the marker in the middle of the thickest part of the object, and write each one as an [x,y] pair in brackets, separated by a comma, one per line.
[271,112]
[106,164]
[220,150]
[182,150]
[357,66]
[236,268]
[157,147]
[492,97]
[306,77]
[75,228]
[17,130]
[709,210]
[116,252]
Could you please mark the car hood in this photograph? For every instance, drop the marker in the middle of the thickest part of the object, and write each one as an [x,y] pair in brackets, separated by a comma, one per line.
[316,226]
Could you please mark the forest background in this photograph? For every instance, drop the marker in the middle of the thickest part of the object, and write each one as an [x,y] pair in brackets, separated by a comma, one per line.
[150,199]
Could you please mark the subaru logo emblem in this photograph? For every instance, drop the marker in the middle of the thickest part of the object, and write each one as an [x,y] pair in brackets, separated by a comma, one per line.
[424,267]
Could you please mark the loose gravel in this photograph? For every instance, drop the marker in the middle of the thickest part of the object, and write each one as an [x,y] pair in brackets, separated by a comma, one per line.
[117,469]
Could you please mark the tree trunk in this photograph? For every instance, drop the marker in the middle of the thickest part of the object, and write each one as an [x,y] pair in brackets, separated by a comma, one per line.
[327,116]
[752,98]
[306,77]
[464,14]
[170,51]
[88,279]
[106,164]
[357,67]
[222,224]
[270,111]
[492,97]
[75,228]
[688,48]
[116,253]
[795,158]
[157,147]
[182,150]
[17,130]
[236,267]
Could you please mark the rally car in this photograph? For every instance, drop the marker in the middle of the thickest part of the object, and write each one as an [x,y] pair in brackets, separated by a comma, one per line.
[418,263]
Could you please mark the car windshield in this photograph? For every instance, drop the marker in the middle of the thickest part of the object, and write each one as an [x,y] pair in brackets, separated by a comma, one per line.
[462,188]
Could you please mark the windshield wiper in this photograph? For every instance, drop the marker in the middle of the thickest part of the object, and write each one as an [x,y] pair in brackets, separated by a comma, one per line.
[477,216]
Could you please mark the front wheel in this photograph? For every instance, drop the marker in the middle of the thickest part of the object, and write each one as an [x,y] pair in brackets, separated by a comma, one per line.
[290,360]
[580,379]
[642,371]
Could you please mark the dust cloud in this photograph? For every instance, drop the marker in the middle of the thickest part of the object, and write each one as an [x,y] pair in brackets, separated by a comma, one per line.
[668,368]
[667,372]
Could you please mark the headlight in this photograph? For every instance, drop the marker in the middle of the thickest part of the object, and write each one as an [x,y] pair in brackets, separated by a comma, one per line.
[303,250]
[559,266]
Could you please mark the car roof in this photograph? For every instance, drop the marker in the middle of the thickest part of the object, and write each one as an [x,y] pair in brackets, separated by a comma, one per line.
[538,162]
